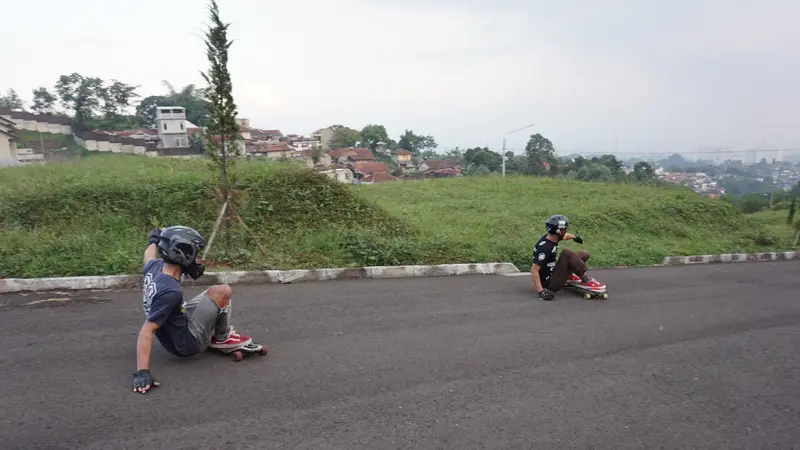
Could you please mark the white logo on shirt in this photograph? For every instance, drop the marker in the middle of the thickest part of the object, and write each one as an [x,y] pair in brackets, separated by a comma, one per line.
[542,256]
[148,292]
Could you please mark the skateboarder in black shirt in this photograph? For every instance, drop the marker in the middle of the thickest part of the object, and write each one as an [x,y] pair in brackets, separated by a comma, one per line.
[551,274]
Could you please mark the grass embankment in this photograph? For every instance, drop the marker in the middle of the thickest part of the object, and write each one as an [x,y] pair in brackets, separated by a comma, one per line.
[91,217]
[491,219]
[774,221]
[50,144]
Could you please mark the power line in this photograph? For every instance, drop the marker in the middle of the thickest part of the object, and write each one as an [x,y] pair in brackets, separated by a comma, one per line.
[674,152]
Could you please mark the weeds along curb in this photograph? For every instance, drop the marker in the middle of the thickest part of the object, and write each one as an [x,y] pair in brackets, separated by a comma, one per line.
[8,285]
[730,257]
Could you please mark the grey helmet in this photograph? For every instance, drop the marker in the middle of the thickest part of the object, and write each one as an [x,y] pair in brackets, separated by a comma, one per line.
[557,224]
[180,245]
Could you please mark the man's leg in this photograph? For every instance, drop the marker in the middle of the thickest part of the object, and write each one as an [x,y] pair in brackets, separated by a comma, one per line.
[569,262]
[204,315]
[224,334]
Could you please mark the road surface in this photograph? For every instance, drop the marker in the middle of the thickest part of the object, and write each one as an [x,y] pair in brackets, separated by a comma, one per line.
[678,357]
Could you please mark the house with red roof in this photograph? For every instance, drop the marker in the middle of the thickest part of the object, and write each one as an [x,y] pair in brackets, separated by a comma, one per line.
[438,168]
[374,172]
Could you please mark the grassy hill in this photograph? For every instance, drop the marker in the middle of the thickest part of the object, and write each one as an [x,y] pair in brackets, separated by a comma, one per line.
[492,219]
[91,216]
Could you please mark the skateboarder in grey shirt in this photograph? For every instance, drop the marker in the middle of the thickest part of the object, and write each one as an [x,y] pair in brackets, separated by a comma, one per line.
[182,328]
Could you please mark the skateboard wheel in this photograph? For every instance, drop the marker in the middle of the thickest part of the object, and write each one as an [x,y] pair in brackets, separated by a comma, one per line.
[605,296]
[263,351]
[237,356]
[587,296]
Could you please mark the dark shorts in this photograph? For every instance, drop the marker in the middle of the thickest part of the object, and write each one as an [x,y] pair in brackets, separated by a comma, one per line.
[568,262]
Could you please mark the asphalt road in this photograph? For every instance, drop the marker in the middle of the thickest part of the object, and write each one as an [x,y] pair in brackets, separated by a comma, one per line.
[679,357]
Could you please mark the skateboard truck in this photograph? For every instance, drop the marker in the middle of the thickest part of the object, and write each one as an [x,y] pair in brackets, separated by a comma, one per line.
[245,350]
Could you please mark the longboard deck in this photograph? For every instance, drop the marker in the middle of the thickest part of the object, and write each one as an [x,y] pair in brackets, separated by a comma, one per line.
[588,294]
[240,352]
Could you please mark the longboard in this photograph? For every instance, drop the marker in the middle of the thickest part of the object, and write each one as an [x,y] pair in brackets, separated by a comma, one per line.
[588,294]
[240,352]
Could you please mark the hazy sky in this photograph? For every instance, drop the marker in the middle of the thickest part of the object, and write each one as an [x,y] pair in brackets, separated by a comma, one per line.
[631,75]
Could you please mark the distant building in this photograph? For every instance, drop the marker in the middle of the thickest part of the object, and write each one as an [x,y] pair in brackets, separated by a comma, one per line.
[8,143]
[171,126]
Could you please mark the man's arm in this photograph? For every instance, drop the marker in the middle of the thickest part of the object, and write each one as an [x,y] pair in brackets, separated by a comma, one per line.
[143,380]
[150,253]
[572,237]
[144,344]
[537,282]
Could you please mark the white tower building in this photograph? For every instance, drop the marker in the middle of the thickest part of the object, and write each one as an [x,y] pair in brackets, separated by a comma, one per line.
[171,125]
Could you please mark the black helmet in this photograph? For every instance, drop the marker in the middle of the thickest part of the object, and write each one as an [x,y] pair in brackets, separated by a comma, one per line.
[180,245]
[557,224]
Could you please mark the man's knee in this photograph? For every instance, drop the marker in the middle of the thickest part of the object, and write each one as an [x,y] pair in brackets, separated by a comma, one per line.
[220,294]
[583,255]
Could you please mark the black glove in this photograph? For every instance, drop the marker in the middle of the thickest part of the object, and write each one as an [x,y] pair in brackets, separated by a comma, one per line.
[143,381]
[546,296]
[155,236]
[578,239]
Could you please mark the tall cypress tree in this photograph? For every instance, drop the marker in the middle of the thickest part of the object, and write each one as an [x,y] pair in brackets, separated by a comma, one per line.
[792,210]
[222,131]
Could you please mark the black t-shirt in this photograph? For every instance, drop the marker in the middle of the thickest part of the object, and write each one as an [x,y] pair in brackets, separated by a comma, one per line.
[544,256]
[163,304]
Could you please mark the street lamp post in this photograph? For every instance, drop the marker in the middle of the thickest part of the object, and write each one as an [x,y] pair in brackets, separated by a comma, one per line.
[504,144]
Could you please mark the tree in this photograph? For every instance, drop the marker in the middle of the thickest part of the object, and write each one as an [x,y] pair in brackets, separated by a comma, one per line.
[189,97]
[344,137]
[374,135]
[11,100]
[92,103]
[540,155]
[484,157]
[792,210]
[416,143]
[610,161]
[43,101]
[117,97]
[222,131]
[643,171]
[316,153]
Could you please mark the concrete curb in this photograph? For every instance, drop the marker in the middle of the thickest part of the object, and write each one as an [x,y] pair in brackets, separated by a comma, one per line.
[259,277]
[730,257]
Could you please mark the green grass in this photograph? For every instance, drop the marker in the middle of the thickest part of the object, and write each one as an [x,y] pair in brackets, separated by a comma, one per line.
[32,139]
[774,221]
[491,219]
[91,217]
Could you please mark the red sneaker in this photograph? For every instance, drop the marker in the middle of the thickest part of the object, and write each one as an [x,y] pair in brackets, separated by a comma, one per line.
[593,285]
[234,340]
[573,279]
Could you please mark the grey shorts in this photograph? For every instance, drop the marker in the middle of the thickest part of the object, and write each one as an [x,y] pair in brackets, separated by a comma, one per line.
[202,314]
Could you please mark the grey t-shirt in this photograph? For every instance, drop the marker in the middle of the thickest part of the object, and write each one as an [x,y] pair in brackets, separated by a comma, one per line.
[162,299]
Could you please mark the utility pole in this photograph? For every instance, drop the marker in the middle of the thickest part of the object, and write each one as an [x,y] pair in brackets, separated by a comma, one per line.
[503,156]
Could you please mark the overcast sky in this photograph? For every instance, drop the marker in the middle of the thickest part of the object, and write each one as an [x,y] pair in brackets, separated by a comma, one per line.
[626,75]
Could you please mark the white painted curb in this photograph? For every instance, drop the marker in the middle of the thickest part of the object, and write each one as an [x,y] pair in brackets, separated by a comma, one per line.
[259,277]
[730,257]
